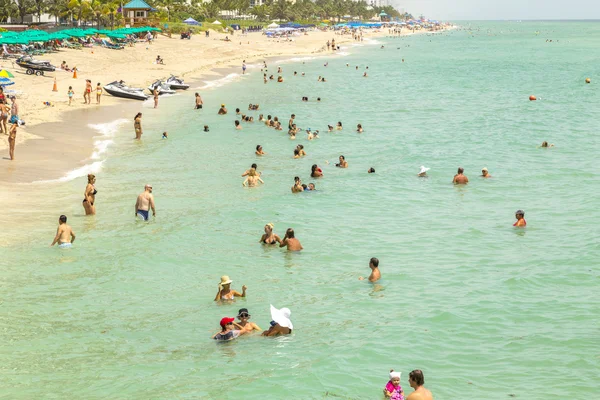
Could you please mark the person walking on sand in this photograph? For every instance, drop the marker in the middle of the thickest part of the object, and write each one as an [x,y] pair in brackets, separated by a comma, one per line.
[375,274]
[64,234]
[290,241]
[198,102]
[137,125]
[12,139]
[70,93]
[244,67]
[98,93]
[155,94]
[144,202]
[14,110]
[460,178]
[89,196]
[87,93]
[416,380]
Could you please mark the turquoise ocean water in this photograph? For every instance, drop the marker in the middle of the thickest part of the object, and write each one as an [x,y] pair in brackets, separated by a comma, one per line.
[485,310]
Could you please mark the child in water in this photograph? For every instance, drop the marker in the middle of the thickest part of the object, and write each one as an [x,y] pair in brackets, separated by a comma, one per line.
[392,389]
[165,135]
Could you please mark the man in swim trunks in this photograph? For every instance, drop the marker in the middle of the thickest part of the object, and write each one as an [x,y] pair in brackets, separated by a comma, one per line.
[64,234]
[290,241]
[144,202]
[416,381]
[460,178]
[198,101]
[520,215]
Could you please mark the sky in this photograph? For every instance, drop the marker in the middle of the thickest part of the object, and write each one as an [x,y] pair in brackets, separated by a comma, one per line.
[454,10]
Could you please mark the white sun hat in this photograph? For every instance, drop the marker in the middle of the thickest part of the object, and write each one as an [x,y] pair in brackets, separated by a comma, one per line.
[423,170]
[282,317]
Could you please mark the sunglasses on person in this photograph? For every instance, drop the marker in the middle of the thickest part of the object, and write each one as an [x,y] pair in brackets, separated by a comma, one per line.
[244,315]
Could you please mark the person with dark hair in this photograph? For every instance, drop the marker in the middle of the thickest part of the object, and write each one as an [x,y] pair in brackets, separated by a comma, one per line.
[371,170]
[227,332]
[199,101]
[237,125]
[248,170]
[520,216]
[137,125]
[64,234]
[316,171]
[290,240]
[375,274]
[343,163]
[244,316]
[416,381]
[460,178]
[259,150]
[206,128]
[291,121]
[297,188]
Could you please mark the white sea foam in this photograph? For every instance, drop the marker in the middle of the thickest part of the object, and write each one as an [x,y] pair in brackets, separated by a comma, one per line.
[107,131]
[220,82]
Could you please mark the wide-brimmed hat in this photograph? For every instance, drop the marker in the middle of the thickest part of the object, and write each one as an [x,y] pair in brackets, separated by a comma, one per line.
[282,317]
[226,320]
[423,169]
[225,281]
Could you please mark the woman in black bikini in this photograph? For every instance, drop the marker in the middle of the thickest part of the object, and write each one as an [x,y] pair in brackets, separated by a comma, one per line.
[89,196]
[269,237]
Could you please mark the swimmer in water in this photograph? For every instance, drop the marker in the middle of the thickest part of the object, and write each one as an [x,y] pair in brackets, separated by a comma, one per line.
[339,126]
[296,153]
[64,234]
[237,125]
[143,204]
[225,292]
[359,128]
[206,128]
[252,179]
[301,150]
[485,173]
[269,237]
[259,151]
[545,144]
[290,241]
[329,128]
[343,163]
[316,172]
[248,170]
[244,316]
[371,170]
[520,215]
[311,187]
[375,274]
[165,135]
[460,178]
[222,110]
[297,188]
[423,172]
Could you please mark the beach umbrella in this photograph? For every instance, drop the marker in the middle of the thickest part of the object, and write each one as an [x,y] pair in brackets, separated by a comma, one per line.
[6,82]
[5,74]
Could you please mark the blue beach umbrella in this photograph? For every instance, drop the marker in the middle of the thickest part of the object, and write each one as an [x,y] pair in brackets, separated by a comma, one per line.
[6,82]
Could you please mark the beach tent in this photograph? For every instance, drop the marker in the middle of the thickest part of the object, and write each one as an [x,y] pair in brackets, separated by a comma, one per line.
[273,25]
[191,21]
[216,22]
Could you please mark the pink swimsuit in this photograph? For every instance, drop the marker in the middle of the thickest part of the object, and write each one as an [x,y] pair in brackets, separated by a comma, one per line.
[395,391]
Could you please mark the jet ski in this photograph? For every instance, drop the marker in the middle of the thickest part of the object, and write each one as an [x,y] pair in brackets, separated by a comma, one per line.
[32,66]
[119,89]
[162,87]
[177,83]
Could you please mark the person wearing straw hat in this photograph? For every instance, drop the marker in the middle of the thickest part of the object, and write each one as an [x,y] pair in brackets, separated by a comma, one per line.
[485,173]
[280,322]
[225,292]
[423,172]
[227,332]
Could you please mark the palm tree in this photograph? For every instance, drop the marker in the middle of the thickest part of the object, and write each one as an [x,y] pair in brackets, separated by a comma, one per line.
[24,7]
[111,10]
[80,6]
[7,9]
[57,8]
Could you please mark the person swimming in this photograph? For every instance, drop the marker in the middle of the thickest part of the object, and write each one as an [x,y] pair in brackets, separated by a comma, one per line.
[520,215]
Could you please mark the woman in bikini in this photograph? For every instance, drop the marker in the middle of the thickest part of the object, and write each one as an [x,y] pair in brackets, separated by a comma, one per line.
[87,95]
[4,109]
[269,237]
[137,125]
[98,93]
[225,292]
[89,196]
[12,139]
[252,179]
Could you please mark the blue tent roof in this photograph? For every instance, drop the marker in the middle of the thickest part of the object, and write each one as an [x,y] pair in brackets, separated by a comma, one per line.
[191,21]
[137,4]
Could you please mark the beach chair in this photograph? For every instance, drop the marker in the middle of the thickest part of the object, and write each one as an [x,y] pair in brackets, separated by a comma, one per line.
[113,46]
[70,45]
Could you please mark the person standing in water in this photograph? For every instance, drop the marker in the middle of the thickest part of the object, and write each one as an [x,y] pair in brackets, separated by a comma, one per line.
[244,316]
[144,202]
[89,196]
[416,380]
[520,216]
[375,274]
[137,125]
[290,241]
[155,94]
[199,102]
[460,178]
[485,173]
[64,234]
[12,139]
[225,292]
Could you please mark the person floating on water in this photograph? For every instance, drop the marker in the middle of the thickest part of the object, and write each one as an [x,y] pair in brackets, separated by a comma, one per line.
[64,234]
[144,202]
[375,274]
[423,171]
[460,178]
[520,215]
[225,292]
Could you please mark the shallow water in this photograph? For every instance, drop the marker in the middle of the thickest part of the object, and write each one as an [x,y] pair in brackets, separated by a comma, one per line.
[483,309]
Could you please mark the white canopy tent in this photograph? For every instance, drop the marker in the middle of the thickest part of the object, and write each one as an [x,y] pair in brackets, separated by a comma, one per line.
[216,22]
[273,25]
